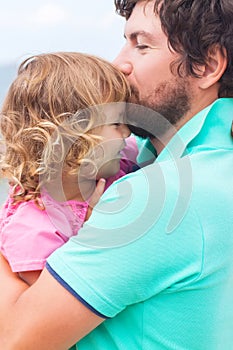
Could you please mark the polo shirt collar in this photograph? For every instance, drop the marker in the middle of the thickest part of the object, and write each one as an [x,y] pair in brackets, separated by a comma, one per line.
[210,127]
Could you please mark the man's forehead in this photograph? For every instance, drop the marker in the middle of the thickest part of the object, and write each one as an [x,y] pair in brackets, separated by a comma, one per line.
[142,17]
[144,23]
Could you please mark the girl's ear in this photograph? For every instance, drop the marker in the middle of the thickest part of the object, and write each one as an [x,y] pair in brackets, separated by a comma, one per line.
[214,68]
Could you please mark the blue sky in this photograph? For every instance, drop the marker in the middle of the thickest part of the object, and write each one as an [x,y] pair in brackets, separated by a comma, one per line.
[29,27]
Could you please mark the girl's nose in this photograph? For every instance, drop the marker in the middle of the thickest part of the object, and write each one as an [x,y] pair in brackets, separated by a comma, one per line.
[125,131]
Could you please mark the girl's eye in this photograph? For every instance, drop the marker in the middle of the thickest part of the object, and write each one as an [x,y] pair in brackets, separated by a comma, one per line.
[116,124]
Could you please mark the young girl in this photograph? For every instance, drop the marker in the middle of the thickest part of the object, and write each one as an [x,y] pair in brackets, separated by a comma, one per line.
[62,127]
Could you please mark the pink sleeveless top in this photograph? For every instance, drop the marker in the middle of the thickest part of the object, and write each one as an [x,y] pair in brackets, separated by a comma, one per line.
[28,235]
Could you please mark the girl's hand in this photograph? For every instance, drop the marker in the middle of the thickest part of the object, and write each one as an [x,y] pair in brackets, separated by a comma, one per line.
[99,190]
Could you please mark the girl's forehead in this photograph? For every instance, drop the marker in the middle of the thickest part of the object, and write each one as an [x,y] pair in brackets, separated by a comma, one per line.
[113,112]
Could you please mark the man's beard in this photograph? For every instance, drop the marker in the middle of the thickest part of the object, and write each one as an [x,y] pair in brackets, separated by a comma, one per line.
[159,112]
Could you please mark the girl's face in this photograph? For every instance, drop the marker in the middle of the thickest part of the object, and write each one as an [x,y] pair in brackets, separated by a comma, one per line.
[104,158]
[113,133]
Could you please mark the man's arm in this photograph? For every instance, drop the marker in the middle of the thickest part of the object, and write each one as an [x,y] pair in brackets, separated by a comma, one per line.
[43,316]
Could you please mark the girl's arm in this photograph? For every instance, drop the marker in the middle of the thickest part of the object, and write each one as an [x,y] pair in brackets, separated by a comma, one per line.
[29,277]
[11,287]
[43,316]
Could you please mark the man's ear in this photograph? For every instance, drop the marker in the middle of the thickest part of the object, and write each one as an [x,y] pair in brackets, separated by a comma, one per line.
[214,68]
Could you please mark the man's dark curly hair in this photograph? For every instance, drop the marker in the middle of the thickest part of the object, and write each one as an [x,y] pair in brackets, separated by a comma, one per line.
[194,28]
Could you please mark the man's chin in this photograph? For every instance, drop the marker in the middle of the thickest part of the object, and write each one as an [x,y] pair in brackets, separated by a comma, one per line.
[141,119]
[140,132]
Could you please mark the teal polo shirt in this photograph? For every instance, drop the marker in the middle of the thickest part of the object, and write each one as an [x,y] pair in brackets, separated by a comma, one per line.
[156,257]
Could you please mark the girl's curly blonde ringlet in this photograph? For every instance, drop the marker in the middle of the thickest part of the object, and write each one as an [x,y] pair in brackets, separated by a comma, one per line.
[47,109]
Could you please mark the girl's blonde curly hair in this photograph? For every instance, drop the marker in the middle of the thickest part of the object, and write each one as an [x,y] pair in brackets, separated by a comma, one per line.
[46,108]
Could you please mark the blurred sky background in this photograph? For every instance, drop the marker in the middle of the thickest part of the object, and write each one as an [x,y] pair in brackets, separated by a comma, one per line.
[28,27]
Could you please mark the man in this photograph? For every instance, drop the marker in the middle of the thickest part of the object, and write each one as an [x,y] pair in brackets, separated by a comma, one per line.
[154,270]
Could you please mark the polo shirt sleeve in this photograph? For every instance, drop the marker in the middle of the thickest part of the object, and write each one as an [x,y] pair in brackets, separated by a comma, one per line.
[125,253]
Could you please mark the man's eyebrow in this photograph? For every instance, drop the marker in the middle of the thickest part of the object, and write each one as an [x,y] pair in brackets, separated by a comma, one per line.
[142,33]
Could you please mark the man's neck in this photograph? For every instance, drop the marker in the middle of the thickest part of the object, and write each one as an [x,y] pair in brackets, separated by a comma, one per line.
[161,142]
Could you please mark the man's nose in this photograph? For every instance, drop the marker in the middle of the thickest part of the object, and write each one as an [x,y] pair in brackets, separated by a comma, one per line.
[123,63]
